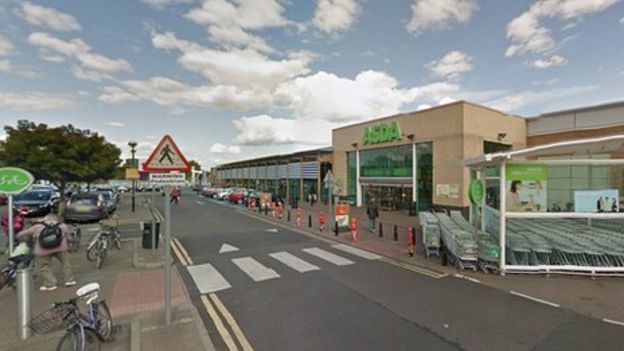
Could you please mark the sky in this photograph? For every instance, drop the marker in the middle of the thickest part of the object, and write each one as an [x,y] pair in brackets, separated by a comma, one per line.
[238,79]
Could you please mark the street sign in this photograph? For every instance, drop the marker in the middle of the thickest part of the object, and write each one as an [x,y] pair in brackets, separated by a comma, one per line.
[132,174]
[167,179]
[167,157]
[14,180]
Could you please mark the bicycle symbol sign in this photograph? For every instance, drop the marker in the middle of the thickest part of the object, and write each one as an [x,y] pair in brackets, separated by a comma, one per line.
[14,180]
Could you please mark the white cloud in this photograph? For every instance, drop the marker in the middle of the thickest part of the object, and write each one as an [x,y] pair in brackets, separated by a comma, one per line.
[5,65]
[94,67]
[6,47]
[451,65]
[176,95]
[34,101]
[49,18]
[513,102]
[528,35]
[267,130]
[245,68]
[219,148]
[439,14]
[115,124]
[228,22]
[333,16]
[162,4]
[622,20]
[553,61]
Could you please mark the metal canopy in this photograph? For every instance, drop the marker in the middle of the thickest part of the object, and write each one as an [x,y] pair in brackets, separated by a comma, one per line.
[611,143]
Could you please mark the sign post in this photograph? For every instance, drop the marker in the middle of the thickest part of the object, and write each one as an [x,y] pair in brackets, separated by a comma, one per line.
[163,160]
[329,183]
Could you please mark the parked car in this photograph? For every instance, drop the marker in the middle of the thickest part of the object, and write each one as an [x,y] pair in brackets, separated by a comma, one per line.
[86,207]
[238,197]
[122,188]
[38,202]
[224,194]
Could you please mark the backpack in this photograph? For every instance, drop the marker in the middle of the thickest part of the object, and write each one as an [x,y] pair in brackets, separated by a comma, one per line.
[51,236]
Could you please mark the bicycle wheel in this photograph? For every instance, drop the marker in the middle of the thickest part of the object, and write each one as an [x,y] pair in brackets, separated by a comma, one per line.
[92,250]
[117,239]
[77,340]
[104,323]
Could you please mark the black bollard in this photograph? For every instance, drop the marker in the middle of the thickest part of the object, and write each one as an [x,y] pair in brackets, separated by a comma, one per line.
[336,228]
[288,216]
[309,221]
[396,233]
[380,230]
[266,210]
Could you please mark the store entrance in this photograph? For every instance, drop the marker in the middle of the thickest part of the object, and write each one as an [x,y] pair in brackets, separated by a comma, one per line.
[389,198]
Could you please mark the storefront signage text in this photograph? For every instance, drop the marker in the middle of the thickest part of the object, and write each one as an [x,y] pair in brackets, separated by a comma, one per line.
[382,133]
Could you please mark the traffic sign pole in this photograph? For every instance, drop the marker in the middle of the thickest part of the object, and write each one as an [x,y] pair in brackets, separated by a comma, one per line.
[153,219]
[167,257]
[11,224]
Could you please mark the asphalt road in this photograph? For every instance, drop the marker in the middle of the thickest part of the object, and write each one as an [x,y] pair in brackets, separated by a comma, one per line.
[365,305]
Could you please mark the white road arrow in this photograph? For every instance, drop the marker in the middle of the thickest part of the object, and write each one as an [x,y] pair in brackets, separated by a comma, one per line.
[272,230]
[227,248]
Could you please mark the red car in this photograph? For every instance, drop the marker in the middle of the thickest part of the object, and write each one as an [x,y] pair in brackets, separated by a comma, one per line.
[237,197]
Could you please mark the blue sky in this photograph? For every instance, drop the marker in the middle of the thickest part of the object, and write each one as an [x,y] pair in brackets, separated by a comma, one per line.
[236,79]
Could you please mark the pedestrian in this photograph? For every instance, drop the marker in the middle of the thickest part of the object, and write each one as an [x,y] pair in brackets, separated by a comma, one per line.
[50,241]
[373,212]
[175,195]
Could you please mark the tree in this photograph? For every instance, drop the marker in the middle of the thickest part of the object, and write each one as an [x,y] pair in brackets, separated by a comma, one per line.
[195,166]
[61,155]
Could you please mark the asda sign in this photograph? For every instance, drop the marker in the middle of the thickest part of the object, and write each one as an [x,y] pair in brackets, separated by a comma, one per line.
[382,133]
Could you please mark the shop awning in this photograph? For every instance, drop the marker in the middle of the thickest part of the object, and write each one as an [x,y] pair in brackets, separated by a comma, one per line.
[381,181]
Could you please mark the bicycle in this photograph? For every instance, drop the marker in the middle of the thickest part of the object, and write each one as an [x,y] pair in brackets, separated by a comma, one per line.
[83,331]
[75,235]
[98,247]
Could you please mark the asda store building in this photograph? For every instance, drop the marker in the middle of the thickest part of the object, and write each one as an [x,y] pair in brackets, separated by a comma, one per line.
[413,160]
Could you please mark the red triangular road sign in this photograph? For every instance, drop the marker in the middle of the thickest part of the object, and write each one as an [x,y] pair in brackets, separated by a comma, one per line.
[166,157]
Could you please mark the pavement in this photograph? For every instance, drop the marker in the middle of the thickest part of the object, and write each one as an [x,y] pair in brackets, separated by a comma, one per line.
[260,283]
[132,283]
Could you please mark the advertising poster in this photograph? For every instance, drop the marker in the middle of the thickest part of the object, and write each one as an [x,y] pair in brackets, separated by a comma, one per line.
[342,215]
[526,187]
[596,201]
[265,200]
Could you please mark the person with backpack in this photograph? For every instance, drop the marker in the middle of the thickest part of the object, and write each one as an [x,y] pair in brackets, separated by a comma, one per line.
[50,241]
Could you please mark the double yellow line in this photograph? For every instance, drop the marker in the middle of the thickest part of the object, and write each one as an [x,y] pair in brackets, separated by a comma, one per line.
[214,307]
[181,252]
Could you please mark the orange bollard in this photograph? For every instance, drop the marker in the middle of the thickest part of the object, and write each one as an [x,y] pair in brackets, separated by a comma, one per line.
[322,221]
[410,241]
[280,210]
[353,226]
[299,217]
[273,209]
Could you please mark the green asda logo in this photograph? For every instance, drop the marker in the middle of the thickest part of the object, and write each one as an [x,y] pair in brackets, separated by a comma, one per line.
[382,133]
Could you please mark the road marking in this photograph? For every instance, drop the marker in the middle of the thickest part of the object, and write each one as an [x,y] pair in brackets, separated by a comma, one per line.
[328,256]
[294,262]
[199,203]
[178,254]
[225,334]
[227,248]
[207,278]
[254,269]
[460,276]
[272,230]
[238,332]
[354,251]
[534,299]
[183,251]
[611,321]
[416,269]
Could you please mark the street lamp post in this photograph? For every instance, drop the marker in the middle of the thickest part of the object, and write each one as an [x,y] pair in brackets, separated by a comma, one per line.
[133,145]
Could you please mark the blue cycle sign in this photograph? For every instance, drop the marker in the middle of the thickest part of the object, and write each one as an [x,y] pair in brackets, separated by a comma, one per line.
[14,180]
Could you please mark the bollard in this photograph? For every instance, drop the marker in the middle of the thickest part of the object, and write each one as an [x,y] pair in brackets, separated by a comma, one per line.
[380,230]
[410,241]
[336,228]
[322,221]
[266,209]
[309,221]
[24,302]
[273,209]
[288,216]
[299,217]
[353,226]
[396,233]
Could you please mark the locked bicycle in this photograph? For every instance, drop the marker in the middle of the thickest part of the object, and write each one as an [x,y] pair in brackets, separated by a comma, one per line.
[83,331]
[97,250]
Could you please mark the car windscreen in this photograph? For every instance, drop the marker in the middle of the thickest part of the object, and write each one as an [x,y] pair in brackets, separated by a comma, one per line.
[34,196]
[106,195]
[85,199]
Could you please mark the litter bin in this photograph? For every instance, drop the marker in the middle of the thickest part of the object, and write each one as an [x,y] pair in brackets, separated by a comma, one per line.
[147,234]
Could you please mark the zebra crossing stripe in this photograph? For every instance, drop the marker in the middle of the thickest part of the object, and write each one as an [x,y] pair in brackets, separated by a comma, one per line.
[357,252]
[294,262]
[207,278]
[254,269]
[328,256]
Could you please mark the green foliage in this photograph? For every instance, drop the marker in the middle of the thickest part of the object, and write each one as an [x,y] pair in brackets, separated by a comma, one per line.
[61,154]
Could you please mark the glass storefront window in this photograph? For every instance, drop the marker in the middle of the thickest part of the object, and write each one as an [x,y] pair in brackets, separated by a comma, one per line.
[351,174]
[424,175]
[386,162]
